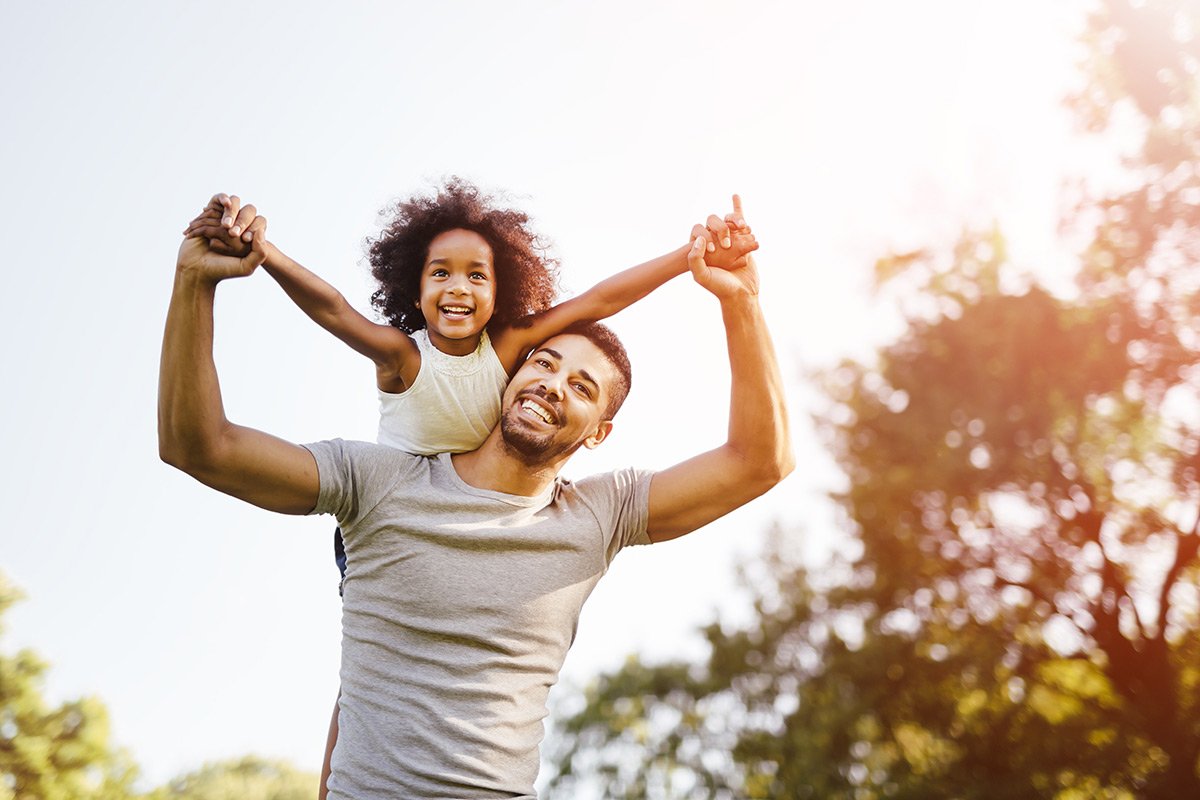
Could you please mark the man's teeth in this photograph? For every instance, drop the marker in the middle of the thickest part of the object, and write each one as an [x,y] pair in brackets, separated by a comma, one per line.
[529,405]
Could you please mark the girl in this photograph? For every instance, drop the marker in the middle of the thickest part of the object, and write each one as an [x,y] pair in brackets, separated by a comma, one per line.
[466,294]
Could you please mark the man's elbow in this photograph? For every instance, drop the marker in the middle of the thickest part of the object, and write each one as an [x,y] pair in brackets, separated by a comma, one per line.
[170,450]
[785,465]
[186,456]
[773,468]
[177,455]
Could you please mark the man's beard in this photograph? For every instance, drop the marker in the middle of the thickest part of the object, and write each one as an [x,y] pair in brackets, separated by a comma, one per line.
[530,446]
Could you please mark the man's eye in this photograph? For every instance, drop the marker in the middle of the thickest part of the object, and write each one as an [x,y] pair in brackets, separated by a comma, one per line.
[541,362]
[583,390]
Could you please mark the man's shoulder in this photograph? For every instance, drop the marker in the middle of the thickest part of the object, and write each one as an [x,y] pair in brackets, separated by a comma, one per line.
[355,477]
[352,448]
[618,500]
[604,485]
[366,457]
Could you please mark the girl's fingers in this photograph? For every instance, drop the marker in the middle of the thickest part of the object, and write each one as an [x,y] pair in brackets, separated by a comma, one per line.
[256,231]
[719,229]
[738,216]
[256,234]
[243,219]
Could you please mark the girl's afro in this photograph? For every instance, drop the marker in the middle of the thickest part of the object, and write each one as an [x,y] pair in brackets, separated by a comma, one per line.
[526,278]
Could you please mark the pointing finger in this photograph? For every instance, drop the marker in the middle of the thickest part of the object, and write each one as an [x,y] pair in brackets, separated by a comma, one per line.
[738,215]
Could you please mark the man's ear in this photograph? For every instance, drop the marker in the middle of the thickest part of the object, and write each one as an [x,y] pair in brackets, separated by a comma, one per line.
[602,432]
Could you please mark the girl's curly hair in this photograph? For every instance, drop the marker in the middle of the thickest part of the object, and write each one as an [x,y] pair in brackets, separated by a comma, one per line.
[526,277]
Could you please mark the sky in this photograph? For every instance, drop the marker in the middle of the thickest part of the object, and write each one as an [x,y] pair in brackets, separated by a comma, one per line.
[210,628]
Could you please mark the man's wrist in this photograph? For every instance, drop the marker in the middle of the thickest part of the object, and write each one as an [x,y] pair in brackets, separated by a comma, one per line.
[192,278]
[741,301]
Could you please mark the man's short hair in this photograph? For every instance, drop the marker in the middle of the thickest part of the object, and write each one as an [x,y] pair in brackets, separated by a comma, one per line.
[603,337]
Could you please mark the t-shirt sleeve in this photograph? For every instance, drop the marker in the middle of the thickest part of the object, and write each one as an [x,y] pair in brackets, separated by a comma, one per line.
[355,477]
[620,501]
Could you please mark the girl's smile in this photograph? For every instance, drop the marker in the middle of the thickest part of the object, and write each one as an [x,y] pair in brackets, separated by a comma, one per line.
[458,290]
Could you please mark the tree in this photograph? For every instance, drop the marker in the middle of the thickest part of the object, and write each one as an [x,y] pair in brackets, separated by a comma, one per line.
[64,752]
[1024,476]
[52,753]
[247,778]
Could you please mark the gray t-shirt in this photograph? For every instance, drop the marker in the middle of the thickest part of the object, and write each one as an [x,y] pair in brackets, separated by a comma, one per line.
[460,605]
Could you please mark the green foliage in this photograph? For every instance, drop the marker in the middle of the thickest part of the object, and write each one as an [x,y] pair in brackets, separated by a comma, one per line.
[64,753]
[52,753]
[247,778]
[1024,485]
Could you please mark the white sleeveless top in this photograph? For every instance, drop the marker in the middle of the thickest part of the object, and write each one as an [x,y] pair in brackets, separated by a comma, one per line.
[452,405]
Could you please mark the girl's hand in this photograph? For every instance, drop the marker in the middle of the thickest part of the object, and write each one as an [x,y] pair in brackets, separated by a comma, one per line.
[727,241]
[225,222]
[210,252]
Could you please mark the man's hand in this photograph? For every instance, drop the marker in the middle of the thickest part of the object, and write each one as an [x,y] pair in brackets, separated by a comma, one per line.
[212,251]
[729,240]
[226,224]
[724,269]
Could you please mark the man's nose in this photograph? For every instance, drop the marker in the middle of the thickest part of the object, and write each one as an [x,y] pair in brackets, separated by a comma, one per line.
[552,388]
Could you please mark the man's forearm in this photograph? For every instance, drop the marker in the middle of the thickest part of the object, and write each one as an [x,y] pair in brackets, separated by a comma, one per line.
[193,433]
[757,453]
[758,424]
[190,412]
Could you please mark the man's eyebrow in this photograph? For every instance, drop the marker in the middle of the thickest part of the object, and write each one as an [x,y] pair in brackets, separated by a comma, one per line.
[587,376]
[551,351]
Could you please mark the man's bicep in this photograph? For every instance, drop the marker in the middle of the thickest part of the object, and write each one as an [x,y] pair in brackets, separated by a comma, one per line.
[263,470]
[695,492]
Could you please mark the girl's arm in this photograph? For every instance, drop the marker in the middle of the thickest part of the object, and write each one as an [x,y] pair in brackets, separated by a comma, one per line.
[396,356]
[394,353]
[625,288]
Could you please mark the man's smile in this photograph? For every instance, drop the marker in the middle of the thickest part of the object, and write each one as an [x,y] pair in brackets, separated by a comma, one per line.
[537,408]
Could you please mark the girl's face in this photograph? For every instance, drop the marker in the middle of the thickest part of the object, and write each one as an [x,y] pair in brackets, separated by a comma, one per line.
[458,290]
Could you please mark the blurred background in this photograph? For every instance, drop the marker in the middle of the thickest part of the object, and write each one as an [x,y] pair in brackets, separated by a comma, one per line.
[978,262]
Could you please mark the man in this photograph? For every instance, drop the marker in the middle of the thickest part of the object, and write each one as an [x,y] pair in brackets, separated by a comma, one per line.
[466,573]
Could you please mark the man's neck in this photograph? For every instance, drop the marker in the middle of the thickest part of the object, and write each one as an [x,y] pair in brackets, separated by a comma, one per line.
[495,467]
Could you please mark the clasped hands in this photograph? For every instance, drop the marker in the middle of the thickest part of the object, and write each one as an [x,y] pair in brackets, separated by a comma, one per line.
[227,239]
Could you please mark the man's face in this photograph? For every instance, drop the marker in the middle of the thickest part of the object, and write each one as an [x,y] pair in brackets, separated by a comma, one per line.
[556,401]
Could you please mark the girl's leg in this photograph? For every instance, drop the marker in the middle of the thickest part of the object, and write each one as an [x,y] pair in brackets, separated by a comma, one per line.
[330,741]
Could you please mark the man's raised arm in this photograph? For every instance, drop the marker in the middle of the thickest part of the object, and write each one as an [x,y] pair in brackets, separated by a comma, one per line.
[193,433]
[758,452]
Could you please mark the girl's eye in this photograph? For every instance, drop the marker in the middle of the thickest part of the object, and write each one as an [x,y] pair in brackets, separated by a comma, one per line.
[478,276]
[439,273]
